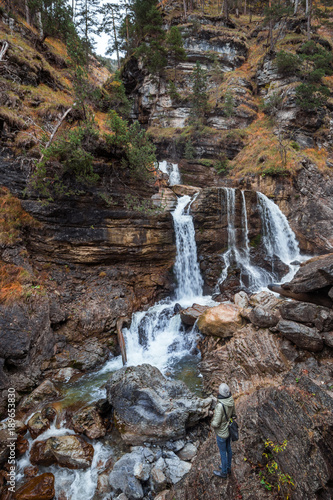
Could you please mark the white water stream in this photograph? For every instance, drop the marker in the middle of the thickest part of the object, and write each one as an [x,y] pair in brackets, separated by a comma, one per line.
[278,240]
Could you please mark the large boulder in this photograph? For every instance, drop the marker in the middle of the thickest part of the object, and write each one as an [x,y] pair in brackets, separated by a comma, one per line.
[67,451]
[123,478]
[221,321]
[38,488]
[191,314]
[301,335]
[43,393]
[320,317]
[263,318]
[314,274]
[150,408]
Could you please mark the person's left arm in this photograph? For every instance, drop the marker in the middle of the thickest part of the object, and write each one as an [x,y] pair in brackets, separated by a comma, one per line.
[217,417]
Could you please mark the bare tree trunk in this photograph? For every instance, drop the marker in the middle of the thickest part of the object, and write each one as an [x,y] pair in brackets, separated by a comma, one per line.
[309,12]
[296,7]
[27,12]
[245,6]
[3,50]
[40,25]
[121,340]
[185,10]
[115,38]
[271,26]
[56,128]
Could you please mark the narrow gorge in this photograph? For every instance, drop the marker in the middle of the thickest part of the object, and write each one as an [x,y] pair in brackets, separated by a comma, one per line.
[156,242]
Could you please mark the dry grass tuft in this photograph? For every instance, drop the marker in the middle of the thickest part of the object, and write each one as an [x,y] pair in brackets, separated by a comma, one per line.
[12,218]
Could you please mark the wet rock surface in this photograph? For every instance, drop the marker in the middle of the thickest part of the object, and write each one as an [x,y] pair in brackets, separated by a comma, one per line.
[46,391]
[151,408]
[37,425]
[313,275]
[191,314]
[89,422]
[38,488]
[72,452]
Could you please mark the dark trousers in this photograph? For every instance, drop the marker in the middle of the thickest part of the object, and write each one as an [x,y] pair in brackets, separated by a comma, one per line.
[224,445]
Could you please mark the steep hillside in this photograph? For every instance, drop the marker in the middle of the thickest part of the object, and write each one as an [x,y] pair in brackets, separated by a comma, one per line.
[77,253]
[257,129]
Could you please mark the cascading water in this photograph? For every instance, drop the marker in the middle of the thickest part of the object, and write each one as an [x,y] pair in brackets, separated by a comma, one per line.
[172,171]
[278,240]
[278,237]
[157,335]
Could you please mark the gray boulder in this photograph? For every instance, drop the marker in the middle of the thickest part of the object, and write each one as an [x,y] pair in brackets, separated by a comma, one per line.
[313,274]
[301,335]
[188,452]
[320,317]
[127,472]
[328,339]
[150,408]
[175,469]
[263,318]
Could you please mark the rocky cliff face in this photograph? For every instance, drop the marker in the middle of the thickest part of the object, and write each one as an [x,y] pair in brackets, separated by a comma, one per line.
[253,145]
[87,265]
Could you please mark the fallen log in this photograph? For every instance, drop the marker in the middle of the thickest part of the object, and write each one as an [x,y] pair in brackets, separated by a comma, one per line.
[319,298]
[121,340]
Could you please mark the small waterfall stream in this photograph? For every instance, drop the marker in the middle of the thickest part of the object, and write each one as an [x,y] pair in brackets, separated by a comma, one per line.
[278,240]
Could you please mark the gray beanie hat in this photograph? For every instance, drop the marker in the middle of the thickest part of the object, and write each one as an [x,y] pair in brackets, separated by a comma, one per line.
[224,390]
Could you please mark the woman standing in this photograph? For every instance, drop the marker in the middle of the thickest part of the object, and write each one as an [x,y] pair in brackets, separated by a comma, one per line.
[224,410]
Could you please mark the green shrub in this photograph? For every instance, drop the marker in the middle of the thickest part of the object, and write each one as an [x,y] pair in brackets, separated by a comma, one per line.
[172,90]
[288,63]
[316,75]
[320,57]
[190,151]
[295,145]
[310,97]
[65,160]
[228,104]
[132,142]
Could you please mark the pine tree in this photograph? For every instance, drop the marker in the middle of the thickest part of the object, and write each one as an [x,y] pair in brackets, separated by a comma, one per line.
[110,25]
[53,17]
[152,50]
[86,22]
[175,46]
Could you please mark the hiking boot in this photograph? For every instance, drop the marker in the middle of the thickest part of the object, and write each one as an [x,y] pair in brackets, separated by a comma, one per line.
[220,474]
[228,471]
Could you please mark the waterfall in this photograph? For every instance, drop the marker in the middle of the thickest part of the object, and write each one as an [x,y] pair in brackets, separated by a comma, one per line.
[278,240]
[157,336]
[278,237]
[189,281]
[171,170]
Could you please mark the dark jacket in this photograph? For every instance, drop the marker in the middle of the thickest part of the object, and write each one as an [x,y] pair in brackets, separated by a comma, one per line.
[219,422]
